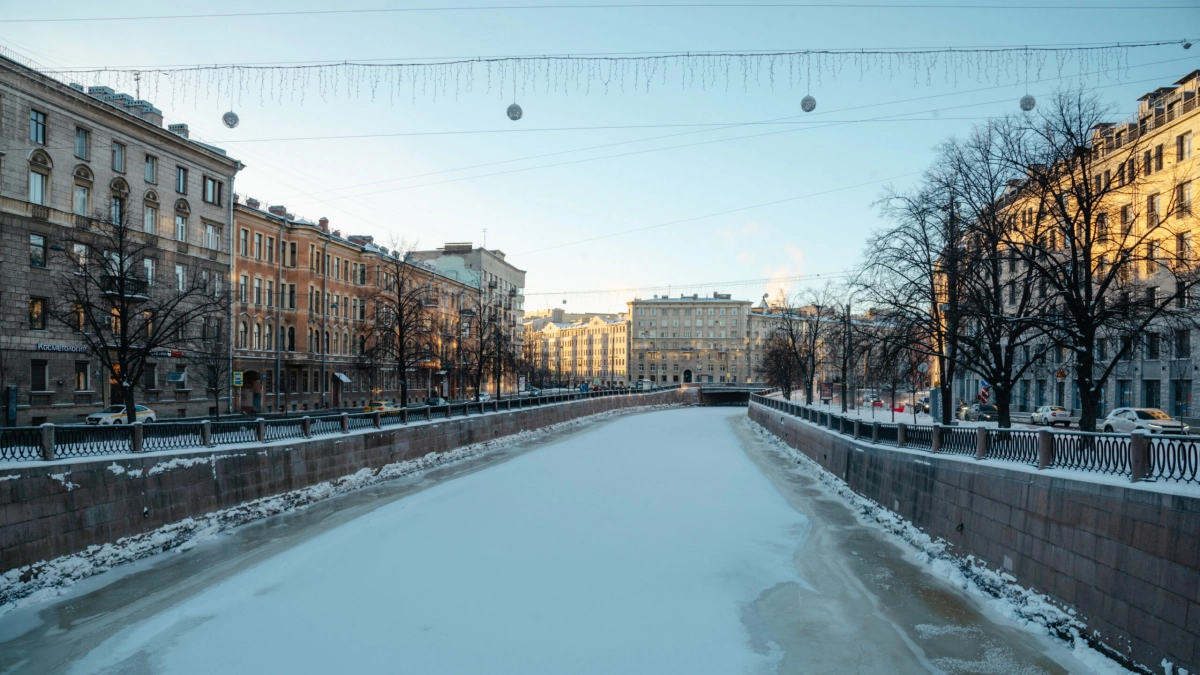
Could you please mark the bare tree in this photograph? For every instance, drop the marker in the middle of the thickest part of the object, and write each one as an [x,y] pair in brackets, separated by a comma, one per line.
[1096,239]
[402,320]
[778,364]
[208,354]
[123,305]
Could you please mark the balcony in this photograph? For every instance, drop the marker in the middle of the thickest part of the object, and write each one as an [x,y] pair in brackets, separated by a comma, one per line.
[132,289]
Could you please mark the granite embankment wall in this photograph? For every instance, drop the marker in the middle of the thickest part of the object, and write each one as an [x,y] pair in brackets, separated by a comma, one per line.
[1127,559]
[53,509]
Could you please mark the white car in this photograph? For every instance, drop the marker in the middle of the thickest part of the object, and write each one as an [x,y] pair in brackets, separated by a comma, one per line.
[484,397]
[1151,420]
[1051,415]
[115,414]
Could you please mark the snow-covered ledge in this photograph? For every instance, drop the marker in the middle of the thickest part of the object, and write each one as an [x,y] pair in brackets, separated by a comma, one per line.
[1123,559]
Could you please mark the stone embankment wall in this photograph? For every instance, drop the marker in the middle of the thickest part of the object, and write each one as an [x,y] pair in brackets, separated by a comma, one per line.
[1127,559]
[53,509]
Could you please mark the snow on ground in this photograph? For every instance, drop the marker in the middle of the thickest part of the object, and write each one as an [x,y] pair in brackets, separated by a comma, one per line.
[1025,607]
[631,548]
[46,580]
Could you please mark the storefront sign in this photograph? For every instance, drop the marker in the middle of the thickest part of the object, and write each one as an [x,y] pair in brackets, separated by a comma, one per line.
[237,378]
[172,353]
[73,349]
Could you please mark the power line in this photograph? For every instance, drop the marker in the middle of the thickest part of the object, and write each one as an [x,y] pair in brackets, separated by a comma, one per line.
[597,6]
[706,284]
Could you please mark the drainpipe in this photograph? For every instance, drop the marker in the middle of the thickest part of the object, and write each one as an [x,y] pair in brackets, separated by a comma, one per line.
[279,316]
[232,234]
[324,316]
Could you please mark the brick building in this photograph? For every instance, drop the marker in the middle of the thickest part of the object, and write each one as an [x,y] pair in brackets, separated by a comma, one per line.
[67,154]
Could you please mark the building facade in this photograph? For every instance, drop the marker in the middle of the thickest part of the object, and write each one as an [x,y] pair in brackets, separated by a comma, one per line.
[1150,193]
[304,316]
[592,348]
[690,339]
[68,155]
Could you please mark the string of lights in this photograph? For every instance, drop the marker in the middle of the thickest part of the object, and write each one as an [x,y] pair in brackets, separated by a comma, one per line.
[582,75]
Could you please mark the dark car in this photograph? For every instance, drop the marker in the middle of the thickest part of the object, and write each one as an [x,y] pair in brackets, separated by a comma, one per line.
[982,412]
[435,400]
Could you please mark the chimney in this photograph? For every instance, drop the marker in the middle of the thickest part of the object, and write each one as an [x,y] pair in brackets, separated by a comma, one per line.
[324,223]
[252,202]
[180,129]
[278,210]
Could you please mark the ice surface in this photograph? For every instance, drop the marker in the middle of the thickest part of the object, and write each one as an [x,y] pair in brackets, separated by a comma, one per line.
[628,549]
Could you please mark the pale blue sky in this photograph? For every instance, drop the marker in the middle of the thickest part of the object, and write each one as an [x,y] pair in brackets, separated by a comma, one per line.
[525,212]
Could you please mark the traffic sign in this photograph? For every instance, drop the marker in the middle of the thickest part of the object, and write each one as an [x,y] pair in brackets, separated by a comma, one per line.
[237,378]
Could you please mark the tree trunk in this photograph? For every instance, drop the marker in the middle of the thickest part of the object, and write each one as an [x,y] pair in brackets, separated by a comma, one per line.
[1003,406]
[127,399]
[1089,393]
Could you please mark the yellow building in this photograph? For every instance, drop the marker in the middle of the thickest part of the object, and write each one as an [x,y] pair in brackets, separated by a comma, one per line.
[690,339]
[593,348]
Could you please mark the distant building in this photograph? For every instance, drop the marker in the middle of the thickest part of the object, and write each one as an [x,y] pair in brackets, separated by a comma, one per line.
[584,348]
[501,284]
[690,339]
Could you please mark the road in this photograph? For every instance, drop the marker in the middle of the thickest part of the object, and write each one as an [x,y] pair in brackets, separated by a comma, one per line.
[664,542]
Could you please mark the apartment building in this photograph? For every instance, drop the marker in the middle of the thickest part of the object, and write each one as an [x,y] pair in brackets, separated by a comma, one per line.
[68,154]
[1149,161]
[590,348]
[304,315]
[690,339]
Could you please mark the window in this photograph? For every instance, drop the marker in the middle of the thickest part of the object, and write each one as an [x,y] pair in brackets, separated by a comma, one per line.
[180,227]
[257,336]
[118,157]
[83,139]
[39,184]
[270,249]
[1101,232]
[257,291]
[151,168]
[291,296]
[1147,163]
[150,219]
[82,378]
[79,205]
[1183,146]
[243,282]
[1153,208]
[39,375]
[212,236]
[1152,346]
[37,126]
[212,190]
[244,242]
[180,278]
[1183,197]
[148,269]
[37,313]
[1183,344]
[258,244]
[242,335]
[181,180]
[37,250]
[292,251]
[1158,157]
[81,254]
[270,293]
[116,209]
[150,376]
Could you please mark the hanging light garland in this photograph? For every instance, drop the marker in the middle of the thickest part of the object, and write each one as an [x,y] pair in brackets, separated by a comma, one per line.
[604,74]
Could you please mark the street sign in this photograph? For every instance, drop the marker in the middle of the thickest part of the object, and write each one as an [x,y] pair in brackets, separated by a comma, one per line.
[237,378]
[1061,374]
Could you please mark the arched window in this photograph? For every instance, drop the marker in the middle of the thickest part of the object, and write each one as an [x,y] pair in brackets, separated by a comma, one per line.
[335,343]
[309,342]
[81,198]
[118,201]
[326,342]
[182,211]
[242,335]
[291,339]
[258,336]
[39,177]
[362,345]
[345,343]
[267,339]
[150,212]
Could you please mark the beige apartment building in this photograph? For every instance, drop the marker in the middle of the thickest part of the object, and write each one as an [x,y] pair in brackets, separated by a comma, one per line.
[691,339]
[592,348]
[70,154]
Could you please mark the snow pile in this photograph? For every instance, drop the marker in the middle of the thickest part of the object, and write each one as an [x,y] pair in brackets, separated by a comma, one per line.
[1027,608]
[44,580]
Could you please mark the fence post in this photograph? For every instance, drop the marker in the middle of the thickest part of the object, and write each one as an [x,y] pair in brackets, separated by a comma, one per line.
[496,406]
[901,434]
[306,426]
[377,419]
[404,416]
[982,442]
[345,423]
[261,426]
[1139,456]
[874,432]
[1045,448]
[935,442]
[206,433]
[48,442]
[135,436]
[857,428]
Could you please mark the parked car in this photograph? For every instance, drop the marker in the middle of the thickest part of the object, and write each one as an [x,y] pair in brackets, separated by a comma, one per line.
[923,404]
[533,391]
[874,402]
[115,414]
[380,406]
[435,400]
[484,396]
[982,412]
[1151,420]
[1051,415]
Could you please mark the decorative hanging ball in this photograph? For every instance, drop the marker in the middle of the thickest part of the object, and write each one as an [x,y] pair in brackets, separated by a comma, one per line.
[514,112]
[808,104]
[1028,102]
[1187,45]
[230,119]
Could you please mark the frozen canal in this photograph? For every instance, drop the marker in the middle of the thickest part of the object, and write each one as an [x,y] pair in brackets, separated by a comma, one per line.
[664,542]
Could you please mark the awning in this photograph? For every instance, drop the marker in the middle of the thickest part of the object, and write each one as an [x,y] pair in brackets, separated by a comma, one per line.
[342,377]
